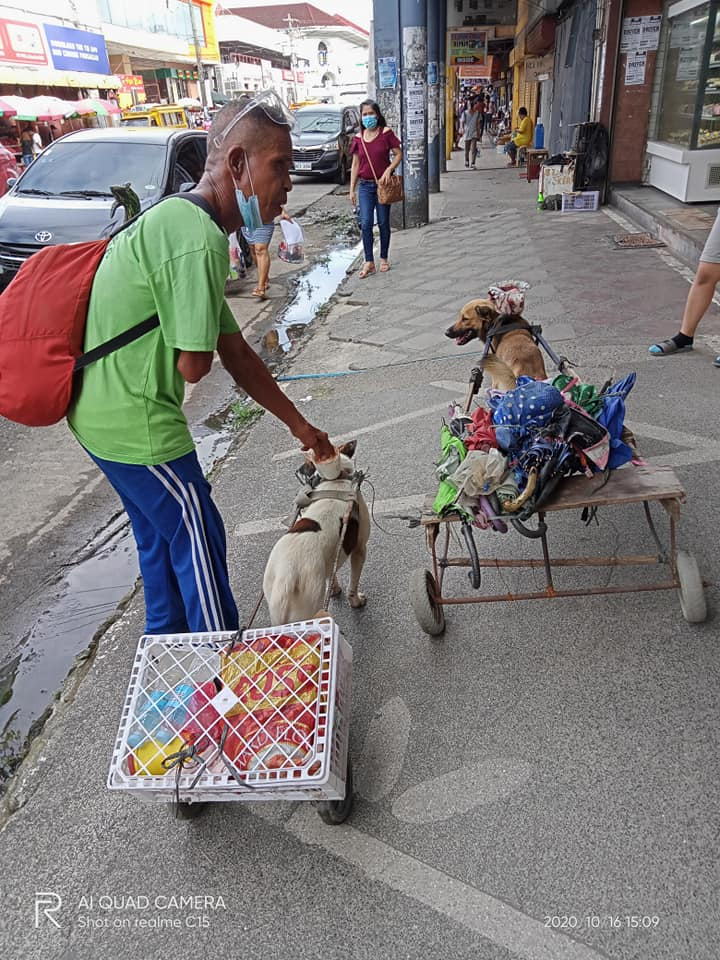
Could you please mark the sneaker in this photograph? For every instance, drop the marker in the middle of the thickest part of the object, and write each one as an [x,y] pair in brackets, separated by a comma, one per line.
[466,165]
[473,167]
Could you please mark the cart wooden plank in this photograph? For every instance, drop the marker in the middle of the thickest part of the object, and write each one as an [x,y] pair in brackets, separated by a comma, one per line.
[627,485]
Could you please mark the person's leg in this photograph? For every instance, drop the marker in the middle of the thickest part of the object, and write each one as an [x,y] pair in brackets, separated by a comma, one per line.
[699,299]
[473,155]
[262,258]
[181,544]
[467,153]
[383,217]
[512,153]
[367,194]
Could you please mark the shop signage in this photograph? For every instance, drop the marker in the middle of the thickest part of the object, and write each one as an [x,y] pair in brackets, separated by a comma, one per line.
[640,33]
[635,68]
[467,46]
[77,49]
[537,68]
[22,42]
[688,64]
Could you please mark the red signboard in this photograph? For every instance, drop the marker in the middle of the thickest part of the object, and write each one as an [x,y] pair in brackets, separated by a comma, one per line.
[22,42]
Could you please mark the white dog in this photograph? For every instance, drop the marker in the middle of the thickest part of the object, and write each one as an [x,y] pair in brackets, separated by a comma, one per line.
[301,562]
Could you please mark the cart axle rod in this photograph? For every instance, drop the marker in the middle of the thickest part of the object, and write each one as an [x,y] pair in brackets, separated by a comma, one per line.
[630,561]
[552,594]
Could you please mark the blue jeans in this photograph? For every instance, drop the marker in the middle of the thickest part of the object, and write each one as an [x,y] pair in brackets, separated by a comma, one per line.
[368,202]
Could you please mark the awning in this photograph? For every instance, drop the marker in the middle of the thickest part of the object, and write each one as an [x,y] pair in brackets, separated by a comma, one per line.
[45,77]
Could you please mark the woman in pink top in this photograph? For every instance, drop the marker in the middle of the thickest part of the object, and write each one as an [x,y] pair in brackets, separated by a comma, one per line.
[376,155]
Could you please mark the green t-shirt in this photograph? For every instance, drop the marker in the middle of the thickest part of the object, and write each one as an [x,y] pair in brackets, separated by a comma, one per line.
[173,262]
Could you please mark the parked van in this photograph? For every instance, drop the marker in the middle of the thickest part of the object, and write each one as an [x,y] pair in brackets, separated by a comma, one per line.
[170,115]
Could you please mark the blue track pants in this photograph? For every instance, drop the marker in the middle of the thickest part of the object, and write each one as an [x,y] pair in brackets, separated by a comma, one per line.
[181,544]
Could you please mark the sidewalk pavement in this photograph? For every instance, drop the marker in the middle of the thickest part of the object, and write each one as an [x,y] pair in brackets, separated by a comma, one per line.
[541,782]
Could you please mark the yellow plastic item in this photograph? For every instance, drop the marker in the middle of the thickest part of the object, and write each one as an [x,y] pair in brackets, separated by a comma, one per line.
[147,759]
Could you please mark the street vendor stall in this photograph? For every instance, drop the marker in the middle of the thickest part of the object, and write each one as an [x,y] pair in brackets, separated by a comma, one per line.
[523,454]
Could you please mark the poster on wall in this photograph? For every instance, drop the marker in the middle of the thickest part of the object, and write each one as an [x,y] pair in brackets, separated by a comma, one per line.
[387,72]
[640,33]
[432,73]
[635,68]
[688,64]
[467,46]
[415,109]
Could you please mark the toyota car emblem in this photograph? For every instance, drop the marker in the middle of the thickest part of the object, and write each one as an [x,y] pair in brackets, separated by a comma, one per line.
[43,236]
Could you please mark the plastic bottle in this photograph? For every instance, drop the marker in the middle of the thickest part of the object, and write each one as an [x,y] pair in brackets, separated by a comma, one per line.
[539,141]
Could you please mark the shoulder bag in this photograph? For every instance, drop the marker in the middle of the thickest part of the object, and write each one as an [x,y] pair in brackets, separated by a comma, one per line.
[393,192]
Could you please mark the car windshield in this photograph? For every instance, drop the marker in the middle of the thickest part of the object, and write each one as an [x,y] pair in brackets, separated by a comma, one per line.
[317,123]
[90,168]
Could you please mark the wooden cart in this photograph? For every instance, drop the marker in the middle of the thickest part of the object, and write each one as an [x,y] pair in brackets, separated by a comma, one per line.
[628,485]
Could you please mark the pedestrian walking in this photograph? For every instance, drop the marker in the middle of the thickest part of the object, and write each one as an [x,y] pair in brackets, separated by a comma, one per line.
[376,153]
[173,263]
[470,124]
[259,241]
[699,299]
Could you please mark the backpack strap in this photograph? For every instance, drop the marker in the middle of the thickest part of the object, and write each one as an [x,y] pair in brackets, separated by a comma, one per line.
[145,326]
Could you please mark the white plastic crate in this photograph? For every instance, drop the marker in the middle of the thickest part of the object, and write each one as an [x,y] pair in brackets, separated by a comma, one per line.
[580,200]
[276,700]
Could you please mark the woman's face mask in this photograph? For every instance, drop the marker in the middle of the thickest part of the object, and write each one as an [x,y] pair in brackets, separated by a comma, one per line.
[369,121]
[249,207]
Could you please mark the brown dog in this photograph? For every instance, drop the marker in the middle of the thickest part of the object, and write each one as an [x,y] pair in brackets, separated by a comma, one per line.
[516,349]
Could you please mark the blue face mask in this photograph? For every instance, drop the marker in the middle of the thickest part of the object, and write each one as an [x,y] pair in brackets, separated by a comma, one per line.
[370,121]
[249,207]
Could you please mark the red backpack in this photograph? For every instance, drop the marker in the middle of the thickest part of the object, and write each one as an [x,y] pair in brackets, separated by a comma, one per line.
[42,329]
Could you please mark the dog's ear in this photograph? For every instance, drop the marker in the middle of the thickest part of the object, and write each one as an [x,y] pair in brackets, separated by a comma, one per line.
[348,449]
[488,315]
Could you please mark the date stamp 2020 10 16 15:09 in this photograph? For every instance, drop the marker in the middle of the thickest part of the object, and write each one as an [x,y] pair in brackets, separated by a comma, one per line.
[602,921]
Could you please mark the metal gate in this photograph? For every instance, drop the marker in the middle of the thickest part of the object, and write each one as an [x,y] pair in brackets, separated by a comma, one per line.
[572,75]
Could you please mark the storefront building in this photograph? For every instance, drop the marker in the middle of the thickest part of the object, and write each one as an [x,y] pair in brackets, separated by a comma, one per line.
[683,150]
[52,53]
[153,42]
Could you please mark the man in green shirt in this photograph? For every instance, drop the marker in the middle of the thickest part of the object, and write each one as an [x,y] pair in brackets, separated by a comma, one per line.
[173,262]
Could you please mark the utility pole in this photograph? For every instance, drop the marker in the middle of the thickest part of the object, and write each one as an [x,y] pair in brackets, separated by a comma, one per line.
[293,56]
[198,59]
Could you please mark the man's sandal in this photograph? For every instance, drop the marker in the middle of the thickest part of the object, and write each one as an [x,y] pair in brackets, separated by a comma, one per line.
[666,347]
[366,271]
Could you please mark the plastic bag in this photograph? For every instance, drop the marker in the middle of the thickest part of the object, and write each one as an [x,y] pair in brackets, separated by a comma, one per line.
[291,246]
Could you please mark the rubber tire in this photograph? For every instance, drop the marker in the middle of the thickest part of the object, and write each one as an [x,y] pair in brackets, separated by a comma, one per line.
[692,591]
[341,176]
[188,811]
[335,812]
[429,615]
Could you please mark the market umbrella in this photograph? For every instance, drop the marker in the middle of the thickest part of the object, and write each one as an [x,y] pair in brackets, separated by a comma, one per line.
[37,108]
[6,109]
[89,106]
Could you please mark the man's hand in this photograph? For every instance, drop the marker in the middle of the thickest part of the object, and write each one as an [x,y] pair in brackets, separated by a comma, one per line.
[316,440]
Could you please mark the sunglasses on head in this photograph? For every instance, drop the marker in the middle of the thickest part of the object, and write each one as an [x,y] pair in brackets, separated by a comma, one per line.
[272,106]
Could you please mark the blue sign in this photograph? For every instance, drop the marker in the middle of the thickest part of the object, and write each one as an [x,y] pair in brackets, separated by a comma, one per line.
[77,49]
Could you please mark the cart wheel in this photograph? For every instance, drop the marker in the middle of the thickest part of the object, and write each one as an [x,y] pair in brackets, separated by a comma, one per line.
[692,592]
[335,812]
[428,613]
[188,811]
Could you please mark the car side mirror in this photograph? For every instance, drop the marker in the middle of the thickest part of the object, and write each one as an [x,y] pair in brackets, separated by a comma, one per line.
[11,181]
